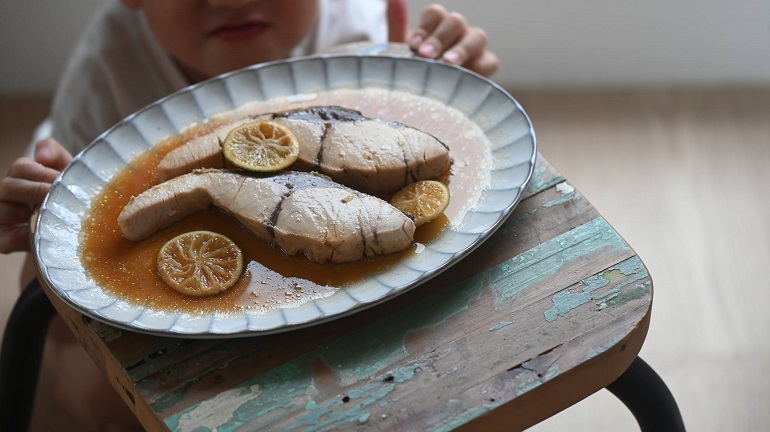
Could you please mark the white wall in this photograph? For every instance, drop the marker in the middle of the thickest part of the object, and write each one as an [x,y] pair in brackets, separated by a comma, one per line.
[543,43]
[622,42]
[36,38]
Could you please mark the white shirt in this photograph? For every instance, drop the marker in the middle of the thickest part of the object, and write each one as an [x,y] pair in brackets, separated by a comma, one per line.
[118,67]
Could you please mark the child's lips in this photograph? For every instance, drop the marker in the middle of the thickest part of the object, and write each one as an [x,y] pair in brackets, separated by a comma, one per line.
[239,32]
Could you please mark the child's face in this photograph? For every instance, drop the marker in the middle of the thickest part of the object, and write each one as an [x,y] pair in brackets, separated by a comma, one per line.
[210,37]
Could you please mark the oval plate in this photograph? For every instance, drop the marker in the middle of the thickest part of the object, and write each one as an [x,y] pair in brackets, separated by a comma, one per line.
[495,112]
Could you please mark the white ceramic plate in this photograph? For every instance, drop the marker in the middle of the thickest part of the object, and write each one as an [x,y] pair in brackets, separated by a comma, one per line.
[495,112]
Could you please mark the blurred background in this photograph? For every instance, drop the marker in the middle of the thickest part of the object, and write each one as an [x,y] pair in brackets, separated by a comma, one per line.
[657,111]
[542,44]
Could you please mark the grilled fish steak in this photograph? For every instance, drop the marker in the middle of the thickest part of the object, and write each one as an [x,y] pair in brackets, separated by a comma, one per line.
[296,211]
[369,155]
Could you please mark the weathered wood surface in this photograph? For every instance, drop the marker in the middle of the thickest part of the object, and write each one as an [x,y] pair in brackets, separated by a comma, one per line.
[551,309]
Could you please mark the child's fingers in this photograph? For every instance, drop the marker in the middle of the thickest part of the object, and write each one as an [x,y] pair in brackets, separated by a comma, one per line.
[450,30]
[471,46]
[14,227]
[27,183]
[27,169]
[16,190]
[14,213]
[50,153]
[486,64]
[430,19]
[471,52]
[398,20]
[14,238]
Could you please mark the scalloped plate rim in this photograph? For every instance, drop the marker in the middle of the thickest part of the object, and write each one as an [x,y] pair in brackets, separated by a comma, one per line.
[455,257]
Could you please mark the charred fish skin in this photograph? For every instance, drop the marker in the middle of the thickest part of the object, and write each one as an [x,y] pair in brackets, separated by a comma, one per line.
[372,155]
[327,113]
[314,199]
[298,212]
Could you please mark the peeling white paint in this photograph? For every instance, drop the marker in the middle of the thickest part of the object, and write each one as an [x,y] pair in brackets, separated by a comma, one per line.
[217,411]
[565,188]
[603,304]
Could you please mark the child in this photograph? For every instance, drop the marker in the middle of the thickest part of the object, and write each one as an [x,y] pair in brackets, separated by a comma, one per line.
[141,51]
[138,51]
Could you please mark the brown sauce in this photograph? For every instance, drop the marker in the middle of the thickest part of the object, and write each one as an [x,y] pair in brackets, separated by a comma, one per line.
[127,269]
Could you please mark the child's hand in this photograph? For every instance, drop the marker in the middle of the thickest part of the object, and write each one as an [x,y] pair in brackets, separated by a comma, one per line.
[443,35]
[26,185]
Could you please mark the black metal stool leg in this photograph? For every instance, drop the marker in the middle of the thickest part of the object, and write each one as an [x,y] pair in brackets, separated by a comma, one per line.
[647,397]
[21,354]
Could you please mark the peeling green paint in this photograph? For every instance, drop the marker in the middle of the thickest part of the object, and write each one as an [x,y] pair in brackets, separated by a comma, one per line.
[500,325]
[539,182]
[220,409]
[364,418]
[549,374]
[564,301]
[354,357]
[358,357]
[361,353]
[561,200]
[567,194]
[520,218]
[278,388]
[171,399]
[543,261]
[639,291]
[330,414]
[602,349]
[404,374]
[459,419]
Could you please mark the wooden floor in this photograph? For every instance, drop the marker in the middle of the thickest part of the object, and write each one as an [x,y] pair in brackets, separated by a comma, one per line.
[681,175]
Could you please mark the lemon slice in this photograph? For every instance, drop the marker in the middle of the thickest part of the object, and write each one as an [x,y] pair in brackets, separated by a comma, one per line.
[262,146]
[200,263]
[423,200]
